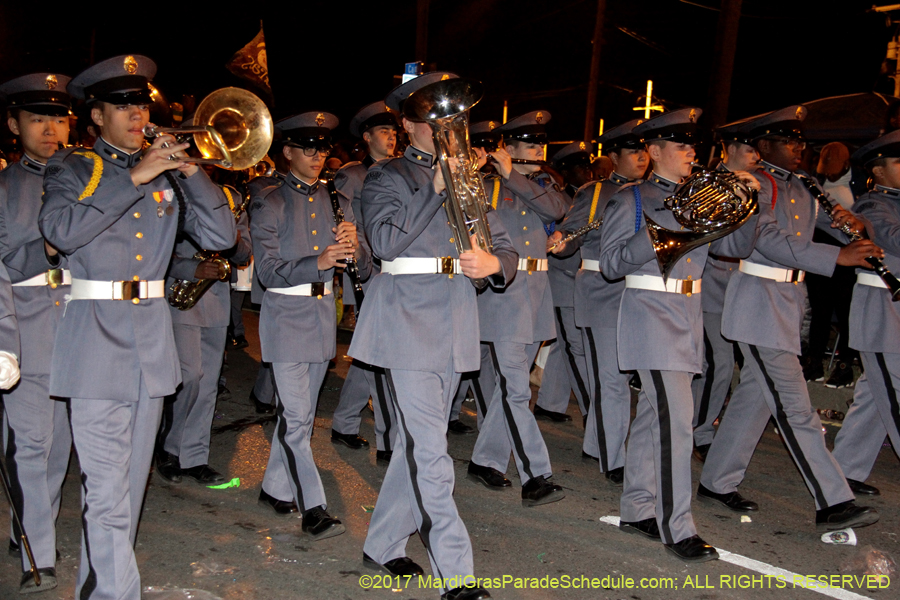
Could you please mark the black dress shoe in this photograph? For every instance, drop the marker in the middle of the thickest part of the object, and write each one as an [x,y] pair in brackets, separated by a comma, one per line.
[383,456]
[459,428]
[47,577]
[351,440]
[616,476]
[860,488]
[466,593]
[281,507]
[539,491]
[543,413]
[844,515]
[239,342]
[491,478]
[700,452]
[203,474]
[732,500]
[402,567]
[320,525]
[168,468]
[261,407]
[646,527]
[586,456]
[693,549]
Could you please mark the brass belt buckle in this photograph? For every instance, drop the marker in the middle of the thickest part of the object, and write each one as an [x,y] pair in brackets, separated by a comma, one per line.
[795,276]
[128,290]
[531,264]
[687,287]
[446,265]
[317,289]
[54,278]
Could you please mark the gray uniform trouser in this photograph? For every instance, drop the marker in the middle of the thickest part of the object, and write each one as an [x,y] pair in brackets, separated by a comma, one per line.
[188,420]
[566,368]
[114,440]
[237,315]
[509,425]
[875,413]
[714,382]
[482,384]
[658,461]
[417,493]
[292,472]
[38,443]
[264,388]
[772,384]
[610,400]
[362,382]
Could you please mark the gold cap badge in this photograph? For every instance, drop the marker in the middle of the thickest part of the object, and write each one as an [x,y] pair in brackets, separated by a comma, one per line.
[51,82]
[692,116]
[799,112]
[130,65]
[320,119]
[539,117]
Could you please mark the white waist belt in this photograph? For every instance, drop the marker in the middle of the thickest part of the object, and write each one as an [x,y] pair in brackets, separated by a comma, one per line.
[532,264]
[422,266]
[590,265]
[306,289]
[773,273]
[657,284]
[86,289]
[870,280]
[53,278]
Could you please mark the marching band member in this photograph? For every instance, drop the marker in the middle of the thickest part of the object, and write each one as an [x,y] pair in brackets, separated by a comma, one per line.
[763,313]
[597,302]
[377,125]
[423,348]
[37,437]
[115,211]
[518,318]
[296,249]
[874,325]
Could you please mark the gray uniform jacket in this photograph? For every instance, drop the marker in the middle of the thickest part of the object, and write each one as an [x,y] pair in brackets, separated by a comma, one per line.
[874,318]
[9,330]
[656,330]
[596,298]
[349,180]
[118,232]
[214,307]
[562,269]
[291,225]
[763,312]
[523,310]
[38,308]
[419,322]
[254,189]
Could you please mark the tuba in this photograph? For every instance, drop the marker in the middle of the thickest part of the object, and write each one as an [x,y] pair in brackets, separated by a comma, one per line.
[710,205]
[445,106]
[233,130]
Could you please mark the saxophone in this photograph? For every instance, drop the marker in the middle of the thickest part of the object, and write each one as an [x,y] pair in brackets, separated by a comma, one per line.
[184,293]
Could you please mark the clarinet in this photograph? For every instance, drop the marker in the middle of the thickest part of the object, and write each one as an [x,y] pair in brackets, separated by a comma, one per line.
[890,281]
[577,233]
[351,268]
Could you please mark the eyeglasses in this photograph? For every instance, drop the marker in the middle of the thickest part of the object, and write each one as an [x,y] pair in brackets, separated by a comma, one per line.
[792,143]
[312,151]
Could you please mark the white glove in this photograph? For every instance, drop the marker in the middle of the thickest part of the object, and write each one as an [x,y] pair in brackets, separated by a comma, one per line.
[9,370]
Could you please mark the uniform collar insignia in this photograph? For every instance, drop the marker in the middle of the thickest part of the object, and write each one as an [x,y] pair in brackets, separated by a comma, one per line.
[776,172]
[722,167]
[418,156]
[617,179]
[887,191]
[115,155]
[301,187]
[368,161]
[32,165]
[662,183]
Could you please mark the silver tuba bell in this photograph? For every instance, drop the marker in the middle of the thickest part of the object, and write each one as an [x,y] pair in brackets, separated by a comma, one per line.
[445,106]
[710,205]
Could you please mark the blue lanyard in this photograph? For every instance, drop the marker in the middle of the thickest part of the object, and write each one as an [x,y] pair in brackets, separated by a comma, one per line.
[639,212]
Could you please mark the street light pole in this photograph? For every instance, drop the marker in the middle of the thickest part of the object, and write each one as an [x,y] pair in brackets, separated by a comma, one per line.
[594,79]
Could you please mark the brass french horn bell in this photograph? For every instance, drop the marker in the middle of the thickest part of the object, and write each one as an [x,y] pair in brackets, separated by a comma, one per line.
[232,129]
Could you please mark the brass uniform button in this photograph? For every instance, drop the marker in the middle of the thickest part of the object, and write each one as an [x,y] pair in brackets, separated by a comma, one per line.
[135,300]
[136,278]
[115,156]
[527,243]
[314,232]
[319,297]
[798,233]
[525,228]
[689,260]
[139,235]
[310,198]
[793,201]
[137,215]
[523,212]
[796,216]
[315,247]
[57,302]
[312,216]
[452,240]
[139,257]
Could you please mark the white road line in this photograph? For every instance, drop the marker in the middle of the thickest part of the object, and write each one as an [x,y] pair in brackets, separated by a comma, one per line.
[767,569]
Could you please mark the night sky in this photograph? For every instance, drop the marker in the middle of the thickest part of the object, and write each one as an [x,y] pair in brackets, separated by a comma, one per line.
[534,54]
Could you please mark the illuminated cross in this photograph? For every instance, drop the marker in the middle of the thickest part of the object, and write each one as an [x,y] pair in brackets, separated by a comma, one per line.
[649,104]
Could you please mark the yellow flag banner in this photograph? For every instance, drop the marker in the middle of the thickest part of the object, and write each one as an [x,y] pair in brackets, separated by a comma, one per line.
[250,62]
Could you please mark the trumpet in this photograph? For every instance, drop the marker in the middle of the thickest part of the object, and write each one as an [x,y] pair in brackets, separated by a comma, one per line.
[233,130]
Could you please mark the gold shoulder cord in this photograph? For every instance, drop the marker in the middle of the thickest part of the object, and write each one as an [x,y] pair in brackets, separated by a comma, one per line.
[95,176]
[228,196]
[594,203]
[496,193]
